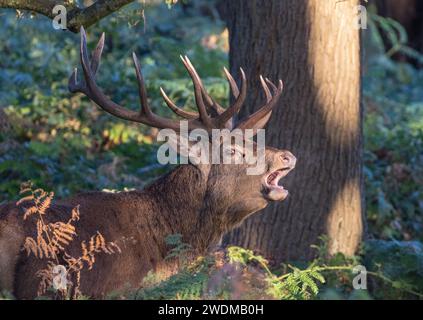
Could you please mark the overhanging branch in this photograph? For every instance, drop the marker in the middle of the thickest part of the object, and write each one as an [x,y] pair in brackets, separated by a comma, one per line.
[76,17]
[43,7]
[90,15]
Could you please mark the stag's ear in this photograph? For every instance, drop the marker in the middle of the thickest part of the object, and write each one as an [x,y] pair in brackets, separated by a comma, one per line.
[193,148]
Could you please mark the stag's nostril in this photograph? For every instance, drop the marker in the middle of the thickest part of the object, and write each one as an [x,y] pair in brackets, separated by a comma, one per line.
[288,158]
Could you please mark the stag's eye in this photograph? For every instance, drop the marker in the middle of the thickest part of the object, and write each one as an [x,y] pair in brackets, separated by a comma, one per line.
[233,152]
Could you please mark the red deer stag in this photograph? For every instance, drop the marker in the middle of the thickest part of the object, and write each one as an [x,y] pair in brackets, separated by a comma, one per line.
[199,201]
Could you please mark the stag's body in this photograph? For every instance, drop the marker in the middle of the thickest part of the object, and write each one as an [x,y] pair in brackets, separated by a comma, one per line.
[180,202]
[199,201]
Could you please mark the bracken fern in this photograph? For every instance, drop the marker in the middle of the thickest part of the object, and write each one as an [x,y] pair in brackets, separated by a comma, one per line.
[51,242]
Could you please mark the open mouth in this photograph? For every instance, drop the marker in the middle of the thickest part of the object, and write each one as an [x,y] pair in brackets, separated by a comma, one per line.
[275,191]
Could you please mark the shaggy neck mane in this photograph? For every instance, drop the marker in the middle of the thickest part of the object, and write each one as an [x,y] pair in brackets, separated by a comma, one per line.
[180,199]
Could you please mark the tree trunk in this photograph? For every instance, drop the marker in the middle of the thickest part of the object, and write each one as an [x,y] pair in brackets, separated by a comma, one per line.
[314,47]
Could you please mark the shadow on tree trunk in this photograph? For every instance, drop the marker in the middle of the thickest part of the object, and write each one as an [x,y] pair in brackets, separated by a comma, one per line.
[316,52]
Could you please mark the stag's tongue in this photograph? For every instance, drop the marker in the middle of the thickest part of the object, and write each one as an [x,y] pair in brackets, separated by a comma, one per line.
[273,179]
[276,192]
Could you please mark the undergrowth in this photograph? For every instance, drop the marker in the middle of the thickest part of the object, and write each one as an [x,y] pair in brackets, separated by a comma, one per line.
[62,272]
[239,273]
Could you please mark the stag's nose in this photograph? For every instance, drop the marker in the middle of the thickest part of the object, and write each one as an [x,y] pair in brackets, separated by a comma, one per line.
[288,159]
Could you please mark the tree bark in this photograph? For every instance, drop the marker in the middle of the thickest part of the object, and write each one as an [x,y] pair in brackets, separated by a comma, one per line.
[314,47]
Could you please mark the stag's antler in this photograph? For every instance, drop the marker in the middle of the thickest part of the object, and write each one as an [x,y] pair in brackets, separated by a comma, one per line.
[210,114]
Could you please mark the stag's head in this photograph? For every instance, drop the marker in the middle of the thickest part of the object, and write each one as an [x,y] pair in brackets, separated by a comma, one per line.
[238,170]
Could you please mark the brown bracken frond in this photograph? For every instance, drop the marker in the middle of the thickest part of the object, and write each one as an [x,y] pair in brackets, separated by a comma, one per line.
[96,244]
[46,278]
[75,214]
[52,239]
[40,200]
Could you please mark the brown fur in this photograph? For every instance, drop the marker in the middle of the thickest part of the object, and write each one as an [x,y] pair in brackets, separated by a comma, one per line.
[199,202]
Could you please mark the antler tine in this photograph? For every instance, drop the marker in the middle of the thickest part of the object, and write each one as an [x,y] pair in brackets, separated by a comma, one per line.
[232,83]
[92,91]
[259,118]
[233,109]
[145,109]
[96,57]
[211,104]
[176,109]
[272,85]
[266,89]
[208,99]
[198,91]
[73,84]
[214,106]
